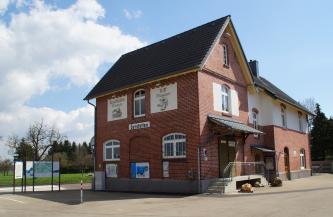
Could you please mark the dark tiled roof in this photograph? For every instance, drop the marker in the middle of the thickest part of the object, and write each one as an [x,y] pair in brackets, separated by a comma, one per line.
[176,54]
[274,91]
[232,124]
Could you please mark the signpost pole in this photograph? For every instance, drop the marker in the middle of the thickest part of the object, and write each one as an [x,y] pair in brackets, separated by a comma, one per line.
[14,177]
[33,175]
[52,168]
[22,180]
[59,173]
[81,193]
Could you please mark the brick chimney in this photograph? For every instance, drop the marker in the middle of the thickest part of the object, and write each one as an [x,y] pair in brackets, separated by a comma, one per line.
[254,66]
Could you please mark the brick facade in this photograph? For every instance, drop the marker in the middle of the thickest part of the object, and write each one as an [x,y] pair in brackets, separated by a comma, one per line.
[195,102]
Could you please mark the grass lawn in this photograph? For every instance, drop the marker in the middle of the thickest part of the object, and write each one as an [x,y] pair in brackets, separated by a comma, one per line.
[64,179]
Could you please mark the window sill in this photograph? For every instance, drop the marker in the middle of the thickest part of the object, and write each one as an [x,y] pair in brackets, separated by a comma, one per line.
[139,116]
[175,158]
[110,160]
[226,66]
[228,114]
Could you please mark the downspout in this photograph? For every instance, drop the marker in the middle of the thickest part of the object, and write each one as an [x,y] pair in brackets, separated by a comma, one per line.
[199,172]
[94,154]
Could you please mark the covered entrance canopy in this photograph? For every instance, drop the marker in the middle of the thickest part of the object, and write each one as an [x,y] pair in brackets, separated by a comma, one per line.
[232,125]
[231,137]
[262,148]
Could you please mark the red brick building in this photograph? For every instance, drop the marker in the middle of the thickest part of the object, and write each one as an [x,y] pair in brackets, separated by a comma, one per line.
[182,113]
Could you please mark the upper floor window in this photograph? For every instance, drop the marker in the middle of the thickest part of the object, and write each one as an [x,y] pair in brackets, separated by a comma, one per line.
[139,103]
[225,98]
[112,150]
[225,55]
[255,119]
[302,158]
[300,121]
[174,145]
[283,116]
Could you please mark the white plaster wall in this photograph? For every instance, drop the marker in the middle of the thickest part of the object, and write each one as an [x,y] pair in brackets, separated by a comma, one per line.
[263,104]
[270,111]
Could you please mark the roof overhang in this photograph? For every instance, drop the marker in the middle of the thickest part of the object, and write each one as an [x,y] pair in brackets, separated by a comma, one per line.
[233,124]
[262,148]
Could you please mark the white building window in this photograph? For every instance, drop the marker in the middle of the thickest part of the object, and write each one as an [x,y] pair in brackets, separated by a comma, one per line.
[225,55]
[255,121]
[300,122]
[139,103]
[174,145]
[225,98]
[283,116]
[112,150]
[302,158]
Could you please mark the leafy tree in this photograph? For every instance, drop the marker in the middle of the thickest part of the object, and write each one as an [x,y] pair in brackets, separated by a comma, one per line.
[320,138]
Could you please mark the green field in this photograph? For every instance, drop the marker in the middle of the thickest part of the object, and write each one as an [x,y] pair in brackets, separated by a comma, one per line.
[64,179]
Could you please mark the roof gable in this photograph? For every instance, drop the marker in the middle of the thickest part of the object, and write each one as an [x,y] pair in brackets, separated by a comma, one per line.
[180,53]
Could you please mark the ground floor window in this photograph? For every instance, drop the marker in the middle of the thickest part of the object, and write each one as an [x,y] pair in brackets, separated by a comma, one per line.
[302,158]
[112,150]
[174,145]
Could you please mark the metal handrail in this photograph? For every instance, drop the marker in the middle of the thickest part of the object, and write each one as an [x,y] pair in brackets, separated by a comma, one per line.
[227,172]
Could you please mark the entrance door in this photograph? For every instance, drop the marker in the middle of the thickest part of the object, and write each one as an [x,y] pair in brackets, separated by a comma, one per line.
[227,153]
[286,162]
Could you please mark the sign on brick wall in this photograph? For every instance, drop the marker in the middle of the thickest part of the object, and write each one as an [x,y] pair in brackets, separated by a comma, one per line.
[117,108]
[163,98]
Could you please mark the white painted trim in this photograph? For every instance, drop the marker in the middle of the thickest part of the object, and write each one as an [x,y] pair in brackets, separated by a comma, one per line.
[112,147]
[174,142]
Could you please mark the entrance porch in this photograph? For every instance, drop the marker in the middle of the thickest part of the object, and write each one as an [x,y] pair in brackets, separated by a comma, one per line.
[233,167]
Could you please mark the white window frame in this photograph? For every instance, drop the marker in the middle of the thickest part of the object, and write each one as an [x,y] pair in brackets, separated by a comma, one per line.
[283,116]
[225,98]
[302,159]
[300,122]
[174,145]
[141,99]
[225,55]
[111,144]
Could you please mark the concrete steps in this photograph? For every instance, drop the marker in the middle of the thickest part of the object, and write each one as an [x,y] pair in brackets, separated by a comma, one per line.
[218,186]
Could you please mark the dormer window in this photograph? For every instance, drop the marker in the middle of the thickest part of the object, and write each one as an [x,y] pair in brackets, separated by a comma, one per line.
[283,116]
[225,55]
[225,98]
[139,103]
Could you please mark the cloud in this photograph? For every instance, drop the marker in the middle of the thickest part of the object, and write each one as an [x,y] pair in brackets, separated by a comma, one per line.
[4,6]
[131,15]
[46,43]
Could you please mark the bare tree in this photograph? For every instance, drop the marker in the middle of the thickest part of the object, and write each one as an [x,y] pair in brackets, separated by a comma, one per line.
[310,104]
[5,166]
[41,138]
[13,142]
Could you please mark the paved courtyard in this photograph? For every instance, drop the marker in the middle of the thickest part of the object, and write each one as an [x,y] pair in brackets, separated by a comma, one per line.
[304,197]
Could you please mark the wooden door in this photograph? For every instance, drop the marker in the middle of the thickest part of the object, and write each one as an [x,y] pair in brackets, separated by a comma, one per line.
[286,162]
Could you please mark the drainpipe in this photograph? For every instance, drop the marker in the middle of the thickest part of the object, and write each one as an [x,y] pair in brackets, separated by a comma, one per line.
[94,154]
[199,168]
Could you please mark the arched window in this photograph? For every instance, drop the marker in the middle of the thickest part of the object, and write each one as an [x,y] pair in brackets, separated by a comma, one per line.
[139,103]
[225,98]
[112,150]
[283,116]
[174,145]
[300,122]
[225,55]
[302,158]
